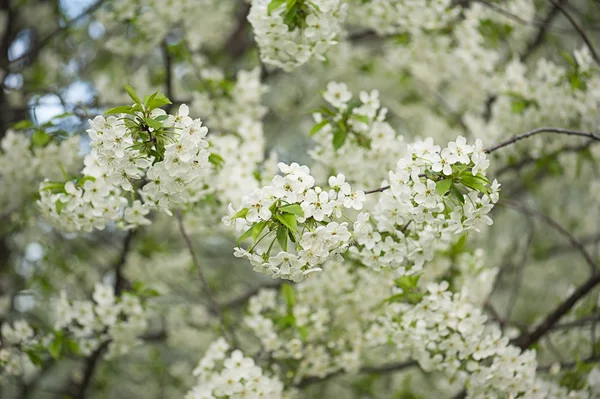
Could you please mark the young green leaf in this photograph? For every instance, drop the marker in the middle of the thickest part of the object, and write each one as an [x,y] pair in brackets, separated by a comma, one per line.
[295,209]
[282,237]
[361,118]
[288,293]
[124,109]
[132,94]
[275,4]
[316,128]
[442,186]
[257,229]
[247,234]
[154,124]
[289,221]
[339,138]
[56,346]
[240,214]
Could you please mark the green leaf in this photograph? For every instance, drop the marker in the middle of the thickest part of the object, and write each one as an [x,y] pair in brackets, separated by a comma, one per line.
[275,4]
[408,283]
[59,206]
[132,94]
[240,214]
[81,181]
[459,196]
[72,346]
[474,183]
[288,220]
[56,345]
[125,109]
[288,293]
[296,209]
[339,138]
[246,235]
[290,4]
[154,124]
[216,159]
[40,138]
[161,118]
[361,118]
[316,128]
[150,292]
[442,186]
[34,357]
[21,125]
[157,101]
[303,331]
[282,237]
[257,229]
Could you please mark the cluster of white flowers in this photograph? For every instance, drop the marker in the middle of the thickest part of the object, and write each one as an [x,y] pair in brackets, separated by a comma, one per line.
[293,208]
[140,25]
[387,17]
[24,165]
[225,105]
[120,320]
[317,327]
[549,95]
[445,332]
[16,340]
[290,36]
[434,195]
[355,130]
[171,168]
[232,376]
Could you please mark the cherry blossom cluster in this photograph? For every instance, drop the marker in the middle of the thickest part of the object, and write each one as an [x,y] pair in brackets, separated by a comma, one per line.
[25,161]
[140,25]
[223,373]
[317,327]
[290,33]
[550,94]
[297,214]
[118,320]
[227,105]
[163,158]
[434,195]
[445,332]
[17,339]
[388,17]
[355,129]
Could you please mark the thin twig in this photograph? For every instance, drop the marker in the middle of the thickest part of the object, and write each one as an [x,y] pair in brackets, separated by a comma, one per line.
[34,51]
[556,226]
[386,368]
[553,130]
[579,30]
[541,33]
[215,305]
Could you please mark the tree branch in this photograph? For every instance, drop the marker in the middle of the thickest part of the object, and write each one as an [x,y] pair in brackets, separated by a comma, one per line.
[556,226]
[33,52]
[383,369]
[579,30]
[540,130]
[215,305]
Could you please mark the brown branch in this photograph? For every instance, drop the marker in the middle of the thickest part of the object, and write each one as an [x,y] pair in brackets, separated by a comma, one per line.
[386,368]
[33,52]
[553,130]
[541,33]
[579,30]
[377,190]
[527,339]
[216,308]
[556,226]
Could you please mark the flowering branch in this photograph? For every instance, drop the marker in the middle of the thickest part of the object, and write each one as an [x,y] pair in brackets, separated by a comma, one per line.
[215,305]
